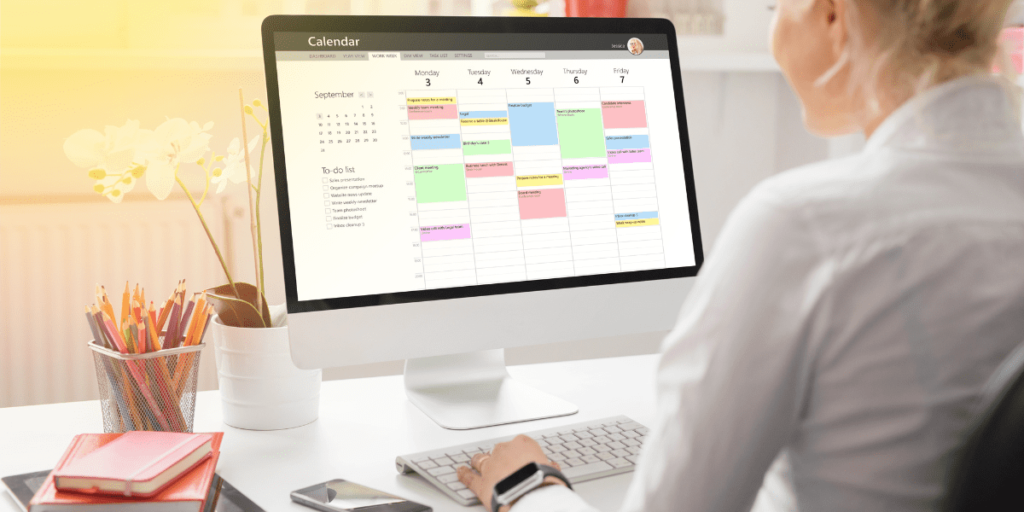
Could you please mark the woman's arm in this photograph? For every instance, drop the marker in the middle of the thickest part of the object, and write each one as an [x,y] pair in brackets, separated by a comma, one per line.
[736,369]
[733,375]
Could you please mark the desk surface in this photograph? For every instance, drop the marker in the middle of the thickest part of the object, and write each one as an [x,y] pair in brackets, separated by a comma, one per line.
[363,425]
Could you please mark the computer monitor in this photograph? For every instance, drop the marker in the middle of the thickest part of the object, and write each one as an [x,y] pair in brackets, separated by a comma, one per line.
[451,187]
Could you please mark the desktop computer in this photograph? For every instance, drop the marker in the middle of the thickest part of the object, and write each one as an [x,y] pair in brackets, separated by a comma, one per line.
[452,187]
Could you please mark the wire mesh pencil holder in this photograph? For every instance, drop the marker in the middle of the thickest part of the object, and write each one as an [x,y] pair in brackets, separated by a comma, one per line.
[152,391]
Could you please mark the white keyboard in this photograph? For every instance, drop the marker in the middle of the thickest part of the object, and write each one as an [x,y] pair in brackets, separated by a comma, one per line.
[586,451]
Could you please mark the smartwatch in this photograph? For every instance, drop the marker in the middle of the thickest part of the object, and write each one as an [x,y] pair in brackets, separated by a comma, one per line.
[528,478]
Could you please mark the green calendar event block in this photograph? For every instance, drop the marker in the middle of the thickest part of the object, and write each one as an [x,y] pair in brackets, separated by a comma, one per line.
[440,183]
[581,132]
[486,147]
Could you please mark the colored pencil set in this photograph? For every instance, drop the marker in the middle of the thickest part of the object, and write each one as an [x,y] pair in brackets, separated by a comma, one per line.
[152,385]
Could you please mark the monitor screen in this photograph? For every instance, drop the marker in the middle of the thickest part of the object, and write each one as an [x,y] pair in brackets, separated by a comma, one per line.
[433,165]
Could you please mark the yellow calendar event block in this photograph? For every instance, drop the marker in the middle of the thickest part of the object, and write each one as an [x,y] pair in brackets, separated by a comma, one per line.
[635,223]
[434,100]
[538,180]
[485,121]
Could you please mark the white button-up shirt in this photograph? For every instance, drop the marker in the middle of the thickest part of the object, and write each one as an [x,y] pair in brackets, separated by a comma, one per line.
[831,351]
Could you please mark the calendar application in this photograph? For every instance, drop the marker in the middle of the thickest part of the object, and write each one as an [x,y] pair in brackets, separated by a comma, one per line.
[425,161]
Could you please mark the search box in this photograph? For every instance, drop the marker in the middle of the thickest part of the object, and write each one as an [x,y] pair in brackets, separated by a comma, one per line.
[514,55]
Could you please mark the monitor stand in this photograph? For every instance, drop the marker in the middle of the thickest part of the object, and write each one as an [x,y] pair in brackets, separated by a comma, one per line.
[473,390]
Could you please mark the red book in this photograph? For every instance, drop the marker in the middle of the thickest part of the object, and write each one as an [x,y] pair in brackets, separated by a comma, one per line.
[135,465]
[186,494]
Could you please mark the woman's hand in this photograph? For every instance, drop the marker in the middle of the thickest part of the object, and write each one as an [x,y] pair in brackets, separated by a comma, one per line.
[506,458]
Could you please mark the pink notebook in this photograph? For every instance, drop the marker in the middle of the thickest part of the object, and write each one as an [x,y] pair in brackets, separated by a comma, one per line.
[136,464]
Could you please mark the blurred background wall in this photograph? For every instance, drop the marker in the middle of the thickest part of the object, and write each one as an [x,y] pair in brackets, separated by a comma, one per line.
[67,65]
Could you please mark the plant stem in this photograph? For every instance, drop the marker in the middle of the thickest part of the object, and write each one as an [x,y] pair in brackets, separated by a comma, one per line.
[209,235]
[207,171]
[259,225]
[253,225]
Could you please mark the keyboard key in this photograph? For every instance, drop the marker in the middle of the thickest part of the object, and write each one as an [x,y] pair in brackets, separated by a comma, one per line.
[574,462]
[422,458]
[631,442]
[456,486]
[599,432]
[569,454]
[633,449]
[609,424]
[590,458]
[572,445]
[426,465]
[630,426]
[569,438]
[443,461]
[632,458]
[551,436]
[586,469]
[584,435]
[557,448]
[643,431]
[630,434]
[641,439]
[542,442]
[586,451]
[443,470]
[605,456]
[587,442]
[452,453]
[449,478]
[556,457]
[603,439]
[616,437]
[462,457]
[467,494]
[620,453]
[602,448]
[613,429]
[615,445]
[619,463]
[565,432]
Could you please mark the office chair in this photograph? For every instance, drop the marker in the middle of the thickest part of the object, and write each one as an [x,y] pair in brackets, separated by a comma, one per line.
[988,472]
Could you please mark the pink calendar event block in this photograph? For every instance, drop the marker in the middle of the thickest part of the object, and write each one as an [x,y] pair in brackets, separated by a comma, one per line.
[445,232]
[629,156]
[423,112]
[541,204]
[624,114]
[584,172]
[489,170]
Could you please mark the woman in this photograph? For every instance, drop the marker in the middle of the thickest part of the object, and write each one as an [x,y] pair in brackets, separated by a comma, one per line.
[840,333]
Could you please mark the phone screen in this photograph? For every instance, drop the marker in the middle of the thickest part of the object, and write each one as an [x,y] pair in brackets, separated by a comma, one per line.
[343,496]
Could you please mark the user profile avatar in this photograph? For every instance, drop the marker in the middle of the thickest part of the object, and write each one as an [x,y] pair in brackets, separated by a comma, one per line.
[636,46]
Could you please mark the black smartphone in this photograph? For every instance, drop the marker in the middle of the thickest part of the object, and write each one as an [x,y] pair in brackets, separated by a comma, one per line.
[343,496]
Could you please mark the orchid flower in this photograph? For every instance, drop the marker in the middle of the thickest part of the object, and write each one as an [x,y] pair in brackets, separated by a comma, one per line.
[112,157]
[234,164]
[172,143]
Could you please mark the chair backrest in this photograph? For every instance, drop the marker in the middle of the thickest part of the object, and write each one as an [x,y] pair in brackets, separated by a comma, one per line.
[988,471]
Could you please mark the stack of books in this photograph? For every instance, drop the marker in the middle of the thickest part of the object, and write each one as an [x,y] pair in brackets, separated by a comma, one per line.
[134,471]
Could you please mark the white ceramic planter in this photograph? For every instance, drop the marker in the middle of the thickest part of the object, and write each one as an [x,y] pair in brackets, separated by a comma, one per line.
[260,387]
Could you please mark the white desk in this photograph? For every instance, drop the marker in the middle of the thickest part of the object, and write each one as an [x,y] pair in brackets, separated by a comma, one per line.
[363,425]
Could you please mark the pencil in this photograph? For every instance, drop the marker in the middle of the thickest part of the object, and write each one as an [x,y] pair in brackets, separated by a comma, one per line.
[125,305]
[105,305]
[183,323]
[166,310]
[154,335]
[173,324]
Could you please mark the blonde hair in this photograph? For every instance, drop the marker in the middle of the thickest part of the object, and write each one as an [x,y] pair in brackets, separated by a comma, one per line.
[921,43]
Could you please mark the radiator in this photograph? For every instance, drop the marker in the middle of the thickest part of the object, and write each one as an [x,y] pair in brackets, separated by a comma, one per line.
[51,258]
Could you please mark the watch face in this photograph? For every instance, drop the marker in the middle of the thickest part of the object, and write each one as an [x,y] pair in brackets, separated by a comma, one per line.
[516,478]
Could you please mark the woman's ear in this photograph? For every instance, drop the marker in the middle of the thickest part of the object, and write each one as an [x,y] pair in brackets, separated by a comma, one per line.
[837,12]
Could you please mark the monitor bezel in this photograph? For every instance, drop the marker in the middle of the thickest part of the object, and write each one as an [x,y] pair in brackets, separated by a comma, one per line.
[444,24]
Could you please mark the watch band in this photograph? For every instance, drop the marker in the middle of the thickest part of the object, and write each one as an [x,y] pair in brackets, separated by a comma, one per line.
[545,472]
